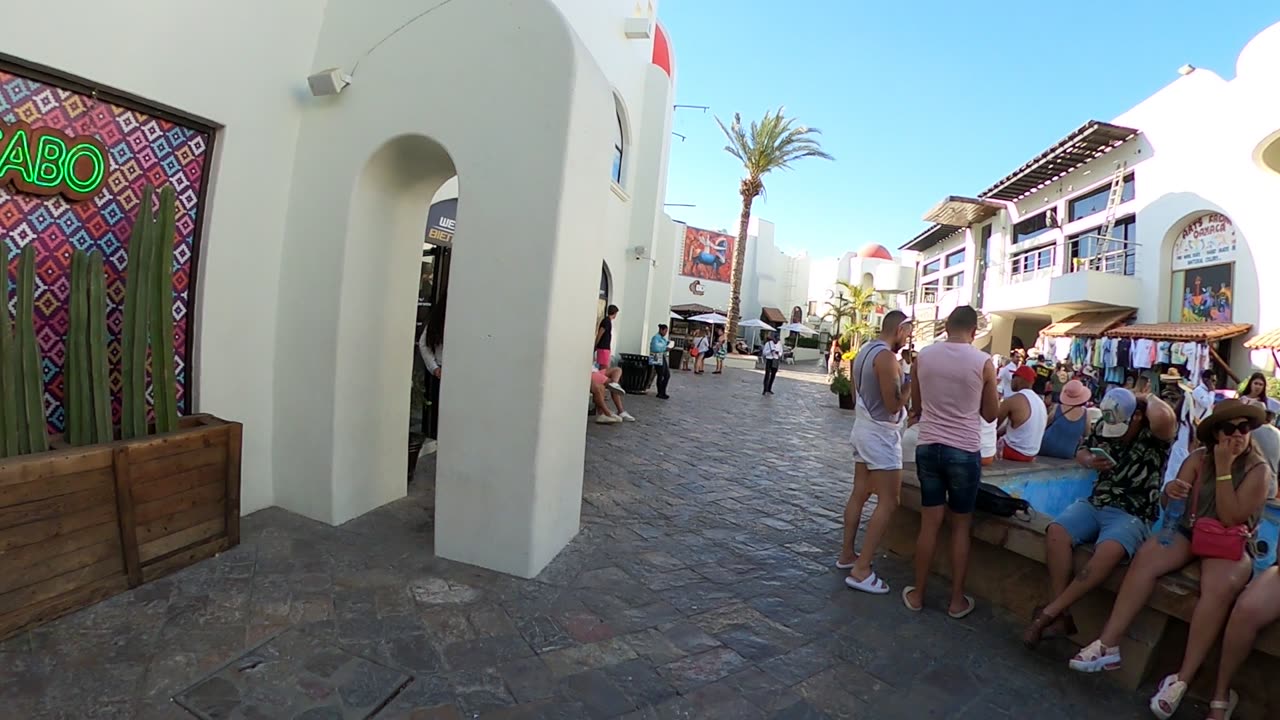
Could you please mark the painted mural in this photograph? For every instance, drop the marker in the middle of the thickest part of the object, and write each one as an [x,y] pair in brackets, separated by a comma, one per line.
[707,255]
[141,148]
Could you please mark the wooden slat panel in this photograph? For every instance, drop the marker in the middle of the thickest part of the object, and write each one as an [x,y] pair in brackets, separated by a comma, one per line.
[55,507]
[23,535]
[181,539]
[163,487]
[184,558]
[42,612]
[62,564]
[180,521]
[235,432]
[53,487]
[214,456]
[203,495]
[125,515]
[176,443]
[12,561]
[53,464]
[17,599]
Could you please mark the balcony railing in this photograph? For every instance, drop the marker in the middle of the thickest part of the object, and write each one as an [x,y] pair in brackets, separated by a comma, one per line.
[1085,253]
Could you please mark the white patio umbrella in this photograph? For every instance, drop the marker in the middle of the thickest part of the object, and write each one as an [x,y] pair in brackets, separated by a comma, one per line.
[756,325]
[799,328]
[710,318]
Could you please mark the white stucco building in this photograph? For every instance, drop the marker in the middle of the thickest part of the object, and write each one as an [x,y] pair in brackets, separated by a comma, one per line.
[554,117]
[1194,169]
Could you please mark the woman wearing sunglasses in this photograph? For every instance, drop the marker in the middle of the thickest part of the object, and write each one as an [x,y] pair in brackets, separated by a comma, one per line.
[1224,485]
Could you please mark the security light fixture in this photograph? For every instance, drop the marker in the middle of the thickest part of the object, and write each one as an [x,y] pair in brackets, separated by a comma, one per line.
[1186,69]
[328,82]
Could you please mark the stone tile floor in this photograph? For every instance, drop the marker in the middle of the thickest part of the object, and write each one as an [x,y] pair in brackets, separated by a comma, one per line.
[700,586]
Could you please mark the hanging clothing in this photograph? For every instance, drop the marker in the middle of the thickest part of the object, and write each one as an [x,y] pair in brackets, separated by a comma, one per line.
[1162,351]
[1122,352]
[1143,351]
[1062,349]
[1178,354]
[1099,351]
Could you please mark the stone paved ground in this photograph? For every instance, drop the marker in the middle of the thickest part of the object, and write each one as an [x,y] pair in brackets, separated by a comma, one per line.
[700,586]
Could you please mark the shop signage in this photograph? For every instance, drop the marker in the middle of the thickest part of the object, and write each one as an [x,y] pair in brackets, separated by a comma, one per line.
[1207,240]
[45,161]
[696,287]
[442,221]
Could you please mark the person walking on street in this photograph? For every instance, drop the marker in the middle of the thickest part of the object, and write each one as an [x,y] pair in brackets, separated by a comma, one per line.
[952,394]
[771,353]
[721,349]
[701,346]
[658,346]
[877,449]
[604,338]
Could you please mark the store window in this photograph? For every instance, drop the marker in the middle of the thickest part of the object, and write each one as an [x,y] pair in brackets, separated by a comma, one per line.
[1033,227]
[955,258]
[1096,201]
[1203,263]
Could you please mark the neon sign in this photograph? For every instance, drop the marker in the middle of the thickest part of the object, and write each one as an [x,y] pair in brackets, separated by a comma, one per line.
[45,161]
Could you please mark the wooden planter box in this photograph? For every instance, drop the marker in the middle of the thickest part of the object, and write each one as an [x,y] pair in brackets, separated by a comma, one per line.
[78,525]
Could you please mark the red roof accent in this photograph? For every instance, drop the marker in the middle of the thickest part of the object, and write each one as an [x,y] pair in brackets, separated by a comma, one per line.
[662,51]
[875,251]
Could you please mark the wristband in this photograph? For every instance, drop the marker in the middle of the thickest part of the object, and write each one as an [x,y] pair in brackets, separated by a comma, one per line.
[1223,478]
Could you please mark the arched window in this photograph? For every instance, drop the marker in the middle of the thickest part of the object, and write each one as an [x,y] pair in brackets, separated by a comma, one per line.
[619,143]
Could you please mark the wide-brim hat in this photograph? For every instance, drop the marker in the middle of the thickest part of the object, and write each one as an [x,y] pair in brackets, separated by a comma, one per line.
[1074,393]
[1226,411]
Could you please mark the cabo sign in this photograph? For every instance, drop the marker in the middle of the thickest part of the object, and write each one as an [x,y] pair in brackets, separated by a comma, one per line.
[45,161]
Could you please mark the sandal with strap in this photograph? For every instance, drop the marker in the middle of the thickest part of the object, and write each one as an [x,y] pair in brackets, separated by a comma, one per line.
[1042,627]
[1168,697]
[1096,657]
[1228,705]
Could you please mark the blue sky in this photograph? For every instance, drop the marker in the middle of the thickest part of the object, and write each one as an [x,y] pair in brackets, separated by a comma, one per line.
[916,100]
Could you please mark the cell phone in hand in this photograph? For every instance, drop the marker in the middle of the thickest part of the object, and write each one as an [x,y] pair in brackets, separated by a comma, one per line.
[1103,454]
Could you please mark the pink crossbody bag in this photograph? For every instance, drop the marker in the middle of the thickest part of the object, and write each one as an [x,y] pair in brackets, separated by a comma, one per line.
[1209,537]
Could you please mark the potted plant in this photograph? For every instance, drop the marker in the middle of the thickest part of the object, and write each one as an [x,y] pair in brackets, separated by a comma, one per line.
[843,389]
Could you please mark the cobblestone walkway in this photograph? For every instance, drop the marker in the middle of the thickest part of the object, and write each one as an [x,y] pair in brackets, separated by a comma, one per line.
[700,586]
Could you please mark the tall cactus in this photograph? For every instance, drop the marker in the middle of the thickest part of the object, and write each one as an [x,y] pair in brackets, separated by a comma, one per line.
[35,436]
[164,379]
[99,382]
[73,380]
[9,445]
[88,400]
[133,419]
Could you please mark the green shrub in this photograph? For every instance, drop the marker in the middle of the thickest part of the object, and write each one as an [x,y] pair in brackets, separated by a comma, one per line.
[808,342]
[840,384]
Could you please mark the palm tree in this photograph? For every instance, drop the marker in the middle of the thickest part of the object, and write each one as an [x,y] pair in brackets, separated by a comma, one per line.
[771,144]
[856,304]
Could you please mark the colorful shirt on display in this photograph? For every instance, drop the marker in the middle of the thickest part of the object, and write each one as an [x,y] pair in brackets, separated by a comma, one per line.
[1134,484]
[1162,352]
[1142,352]
[1178,354]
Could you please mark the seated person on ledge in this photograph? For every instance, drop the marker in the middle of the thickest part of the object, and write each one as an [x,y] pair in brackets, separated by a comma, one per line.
[1025,414]
[602,380]
[1067,426]
[1132,439]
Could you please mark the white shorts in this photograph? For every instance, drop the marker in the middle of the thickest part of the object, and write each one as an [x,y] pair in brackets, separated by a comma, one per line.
[876,444]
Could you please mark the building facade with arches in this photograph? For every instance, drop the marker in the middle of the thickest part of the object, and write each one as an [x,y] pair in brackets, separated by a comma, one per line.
[550,118]
[1185,182]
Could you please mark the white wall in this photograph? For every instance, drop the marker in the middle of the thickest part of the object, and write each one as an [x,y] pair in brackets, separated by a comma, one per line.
[177,55]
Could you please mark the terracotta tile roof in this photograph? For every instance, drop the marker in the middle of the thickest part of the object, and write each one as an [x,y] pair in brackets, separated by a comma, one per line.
[1182,331]
[1265,341]
[1089,324]
[772,315]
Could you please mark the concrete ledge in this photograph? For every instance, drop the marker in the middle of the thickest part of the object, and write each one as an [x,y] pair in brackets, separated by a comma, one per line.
[1007,568]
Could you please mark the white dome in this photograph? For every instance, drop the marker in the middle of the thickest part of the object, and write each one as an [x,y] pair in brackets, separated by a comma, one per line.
[1261,57]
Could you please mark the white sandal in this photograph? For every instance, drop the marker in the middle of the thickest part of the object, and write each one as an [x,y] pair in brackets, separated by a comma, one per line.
[1168,697]
[1228,705]
[1096,657]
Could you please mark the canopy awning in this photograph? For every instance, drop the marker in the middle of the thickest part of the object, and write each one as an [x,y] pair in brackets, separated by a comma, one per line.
[1089,324]
[958,211]
[1202,332]
[1265,341]
[772,315]
[1086,143]
[692,309]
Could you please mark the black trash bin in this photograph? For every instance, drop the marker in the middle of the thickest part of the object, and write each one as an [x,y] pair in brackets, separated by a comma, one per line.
[674,356]
[637,373]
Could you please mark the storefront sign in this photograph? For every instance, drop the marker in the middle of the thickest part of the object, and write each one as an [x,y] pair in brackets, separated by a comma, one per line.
[1207,240]
[442,222]
[44,161]
[696,287]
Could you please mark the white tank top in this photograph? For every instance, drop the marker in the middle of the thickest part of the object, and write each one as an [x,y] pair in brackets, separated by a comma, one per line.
[1026,437]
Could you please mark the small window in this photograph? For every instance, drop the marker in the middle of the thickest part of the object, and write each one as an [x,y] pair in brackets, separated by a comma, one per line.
[1032,261]
[1088,250]
[1096,201]
[1032,227]
[619,148]
[955,258]
[951,282]
[933,267]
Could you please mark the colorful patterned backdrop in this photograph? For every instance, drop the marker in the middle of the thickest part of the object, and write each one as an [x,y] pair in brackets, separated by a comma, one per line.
[142,149]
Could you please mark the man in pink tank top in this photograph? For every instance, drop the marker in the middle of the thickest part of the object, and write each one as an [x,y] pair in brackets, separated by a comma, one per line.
[952,393]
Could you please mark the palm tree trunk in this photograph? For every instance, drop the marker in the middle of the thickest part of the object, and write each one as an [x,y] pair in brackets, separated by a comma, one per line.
[739,261]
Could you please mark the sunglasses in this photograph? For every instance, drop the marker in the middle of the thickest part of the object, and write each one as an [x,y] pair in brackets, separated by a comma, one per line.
[1244,427]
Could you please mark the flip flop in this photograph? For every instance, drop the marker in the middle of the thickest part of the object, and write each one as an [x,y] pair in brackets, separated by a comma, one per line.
[973,605]
[907,591]
[871,585]
[847,566]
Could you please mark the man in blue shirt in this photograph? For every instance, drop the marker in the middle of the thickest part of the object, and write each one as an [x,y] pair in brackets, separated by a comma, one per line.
[658,346]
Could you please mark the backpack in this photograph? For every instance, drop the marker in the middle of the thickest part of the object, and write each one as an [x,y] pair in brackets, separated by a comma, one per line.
[995,501]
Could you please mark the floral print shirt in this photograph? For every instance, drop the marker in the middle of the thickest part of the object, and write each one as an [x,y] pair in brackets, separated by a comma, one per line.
[1134,484]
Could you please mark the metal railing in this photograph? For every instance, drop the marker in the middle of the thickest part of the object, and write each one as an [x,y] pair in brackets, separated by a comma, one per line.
[1092,253]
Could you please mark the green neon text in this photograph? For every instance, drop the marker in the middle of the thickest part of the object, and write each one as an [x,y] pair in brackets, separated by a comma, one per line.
[44,161]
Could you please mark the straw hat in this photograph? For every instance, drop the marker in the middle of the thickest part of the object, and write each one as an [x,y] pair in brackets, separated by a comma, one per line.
[1074,393]
[1226,411]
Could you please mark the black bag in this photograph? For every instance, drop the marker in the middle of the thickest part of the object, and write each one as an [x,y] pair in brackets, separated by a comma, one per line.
[995,501]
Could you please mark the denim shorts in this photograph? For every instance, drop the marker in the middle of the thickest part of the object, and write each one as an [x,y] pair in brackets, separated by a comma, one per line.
[948,476]
[1086,523]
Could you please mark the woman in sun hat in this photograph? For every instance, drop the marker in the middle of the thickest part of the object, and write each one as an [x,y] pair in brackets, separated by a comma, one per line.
[1224,481]
[1067,425]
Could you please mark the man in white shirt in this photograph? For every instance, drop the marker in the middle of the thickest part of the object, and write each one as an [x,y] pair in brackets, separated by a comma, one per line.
[1202,397]
[771,353]
[1004,378]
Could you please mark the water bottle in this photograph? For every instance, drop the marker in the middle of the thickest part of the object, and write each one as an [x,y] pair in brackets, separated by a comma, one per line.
[1172,516]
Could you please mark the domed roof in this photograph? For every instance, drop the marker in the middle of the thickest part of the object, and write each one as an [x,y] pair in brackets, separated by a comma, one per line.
[1260,55]
[875,251]
[662,51]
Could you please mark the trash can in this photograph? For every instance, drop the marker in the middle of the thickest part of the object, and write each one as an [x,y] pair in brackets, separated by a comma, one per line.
[674,356]
[637,374]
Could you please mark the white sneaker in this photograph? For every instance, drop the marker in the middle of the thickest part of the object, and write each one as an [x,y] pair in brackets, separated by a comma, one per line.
[608,419]
[626,416]
[616,388]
